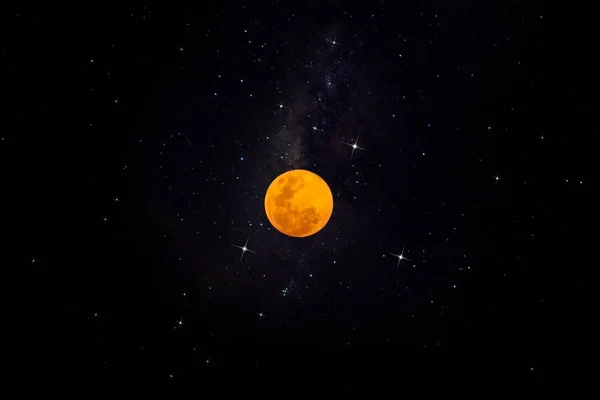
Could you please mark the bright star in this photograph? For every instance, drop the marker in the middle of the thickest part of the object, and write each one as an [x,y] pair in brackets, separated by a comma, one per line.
[180,322]
[333,43]
[400,257]
[354,147]
[497,178]
[260,315]
[244,249]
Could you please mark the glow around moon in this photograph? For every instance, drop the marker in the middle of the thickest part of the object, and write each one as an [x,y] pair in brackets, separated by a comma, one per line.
[299,203]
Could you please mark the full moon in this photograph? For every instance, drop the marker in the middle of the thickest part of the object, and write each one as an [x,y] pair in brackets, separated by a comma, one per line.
[298,203]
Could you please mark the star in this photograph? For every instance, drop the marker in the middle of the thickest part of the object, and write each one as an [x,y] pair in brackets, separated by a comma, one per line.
[105,219]
[354,147]
[116,199]
[260,315]
[180,322]
[497,178]
[244,249]
[171,376]
[208,360]
[400,257]
[32,261]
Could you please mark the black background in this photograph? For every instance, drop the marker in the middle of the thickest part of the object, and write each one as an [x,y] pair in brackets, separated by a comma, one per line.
[499,285]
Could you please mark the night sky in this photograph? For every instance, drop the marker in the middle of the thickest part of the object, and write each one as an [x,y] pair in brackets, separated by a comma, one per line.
[139,143]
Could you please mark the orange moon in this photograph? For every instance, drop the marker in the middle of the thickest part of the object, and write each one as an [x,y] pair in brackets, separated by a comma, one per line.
[298,203]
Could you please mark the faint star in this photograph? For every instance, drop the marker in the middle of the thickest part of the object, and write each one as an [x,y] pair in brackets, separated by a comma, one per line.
[244,248]
[181,49]
[92,61]
[314,128]
[354,147]
[260,315]
[489,127]
[171,376]
[400,257]
[184,294]
[208,360]
[105,219]
[116,101]
[116,199]
[33,261]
